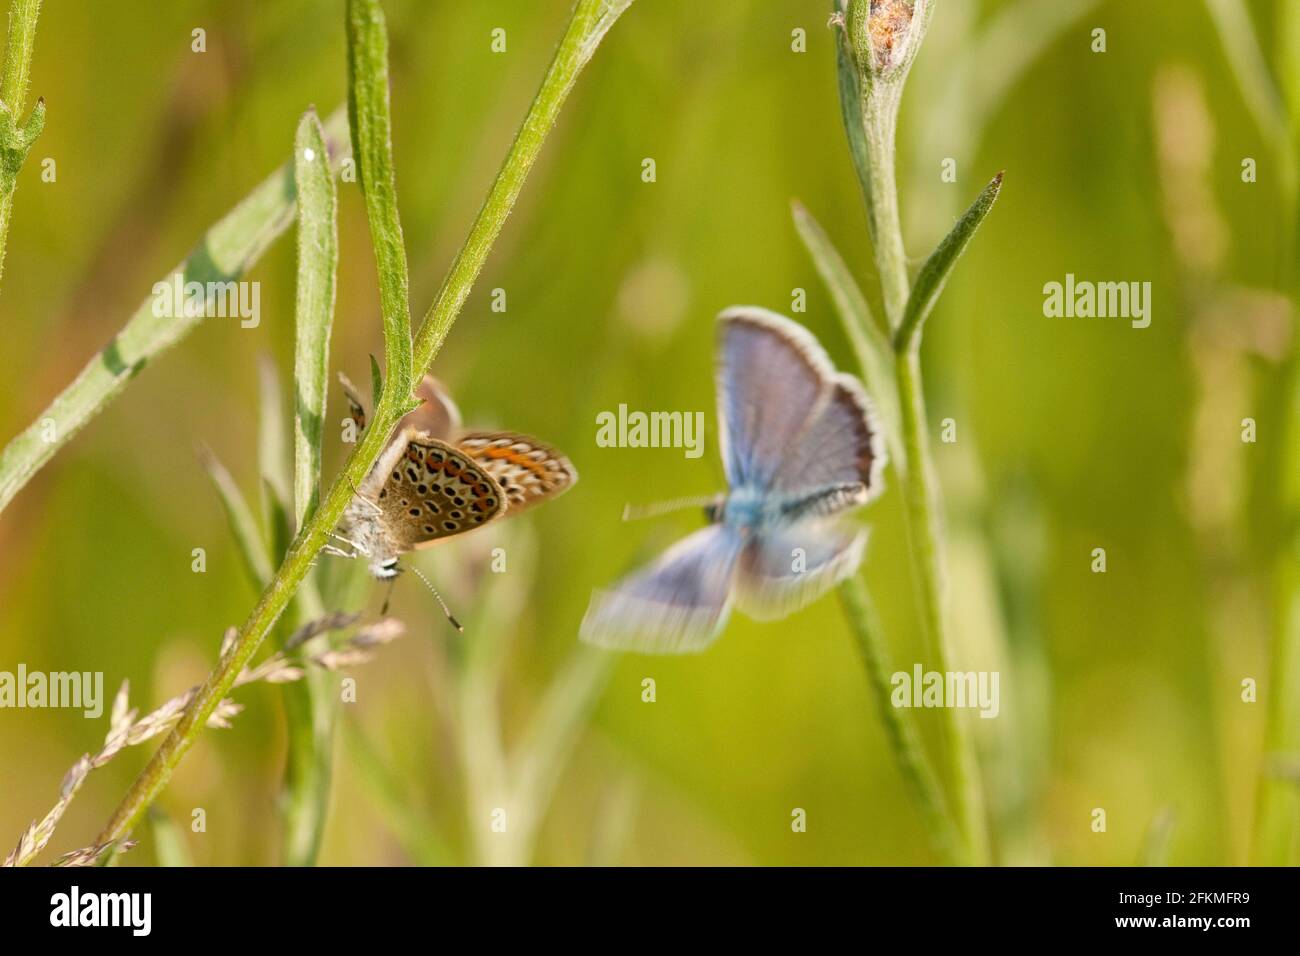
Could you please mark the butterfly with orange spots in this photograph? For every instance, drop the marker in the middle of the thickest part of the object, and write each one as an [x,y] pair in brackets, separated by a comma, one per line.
[436,480]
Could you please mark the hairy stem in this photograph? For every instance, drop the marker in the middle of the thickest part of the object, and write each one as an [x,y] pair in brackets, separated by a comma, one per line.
[15,141]
[590,20]
[879,112]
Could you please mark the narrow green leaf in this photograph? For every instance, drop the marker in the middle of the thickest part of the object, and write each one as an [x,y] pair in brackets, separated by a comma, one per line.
[314,309]
[555,727]
[168,840]
[272,443]
[851,114]
[869,340]
[900,727]
[834,271]
[1157,839]
[279,523]
[368,113]
[934,274]
[223,253]
[414,832]
[243,526]
[376,384]
[1249,65]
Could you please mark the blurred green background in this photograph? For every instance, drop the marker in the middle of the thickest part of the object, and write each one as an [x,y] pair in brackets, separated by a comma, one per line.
[1119,690]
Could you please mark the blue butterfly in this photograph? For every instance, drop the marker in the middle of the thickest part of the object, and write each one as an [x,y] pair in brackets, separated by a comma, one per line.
[800,447]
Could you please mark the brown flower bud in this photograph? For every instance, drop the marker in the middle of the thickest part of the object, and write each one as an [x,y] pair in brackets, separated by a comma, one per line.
[889,25]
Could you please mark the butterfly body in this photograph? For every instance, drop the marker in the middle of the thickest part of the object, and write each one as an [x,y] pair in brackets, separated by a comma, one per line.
[800,448]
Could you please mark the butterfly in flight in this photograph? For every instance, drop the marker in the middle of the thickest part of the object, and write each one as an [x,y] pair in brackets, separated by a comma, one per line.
[800,448]
[436,480]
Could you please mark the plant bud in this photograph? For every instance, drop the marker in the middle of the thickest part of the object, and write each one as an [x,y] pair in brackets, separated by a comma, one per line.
[889,26]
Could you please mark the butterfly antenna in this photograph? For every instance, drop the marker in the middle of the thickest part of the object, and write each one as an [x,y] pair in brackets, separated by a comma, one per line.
[441,603]
[637,512]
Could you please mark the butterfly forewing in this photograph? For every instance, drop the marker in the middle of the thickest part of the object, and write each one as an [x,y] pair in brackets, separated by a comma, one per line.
[772,375]
[794,426]
[838,450]
[527,470]
[435,491]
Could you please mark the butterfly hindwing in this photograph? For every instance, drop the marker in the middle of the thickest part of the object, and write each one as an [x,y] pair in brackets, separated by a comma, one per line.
[356,404]
[437,416]
[782,571]
[434,491]
[528,471]
[677,604]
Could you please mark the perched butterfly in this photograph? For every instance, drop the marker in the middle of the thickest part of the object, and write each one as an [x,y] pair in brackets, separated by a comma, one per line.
[800,448]
[436,480]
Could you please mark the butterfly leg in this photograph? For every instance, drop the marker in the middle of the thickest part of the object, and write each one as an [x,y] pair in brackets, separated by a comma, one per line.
[388,596]
[355,548]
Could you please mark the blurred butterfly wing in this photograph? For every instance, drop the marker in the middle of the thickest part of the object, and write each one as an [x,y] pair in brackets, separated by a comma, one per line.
[356,404]
[838,448]
[430,491]
[676,605]
[771,378]
[437,415]
[528,471]
[780,572]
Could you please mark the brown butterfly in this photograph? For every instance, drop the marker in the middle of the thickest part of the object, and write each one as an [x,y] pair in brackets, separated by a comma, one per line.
[436,480]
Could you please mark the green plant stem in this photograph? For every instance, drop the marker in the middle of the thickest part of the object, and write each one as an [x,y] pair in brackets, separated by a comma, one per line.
[871,132]
[15,142]
[588,25]
[19,45]
[589,21]
[925,535]
[227,250]
[918,773]
[880,111]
